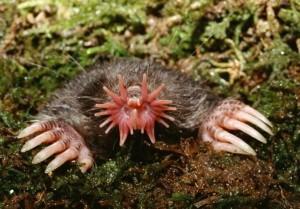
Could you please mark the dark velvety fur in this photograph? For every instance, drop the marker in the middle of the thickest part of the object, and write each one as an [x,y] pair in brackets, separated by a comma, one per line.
[75,101]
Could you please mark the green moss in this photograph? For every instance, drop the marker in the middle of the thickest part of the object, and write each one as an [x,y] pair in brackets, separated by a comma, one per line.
[241,48]
[279,55]
[180,197]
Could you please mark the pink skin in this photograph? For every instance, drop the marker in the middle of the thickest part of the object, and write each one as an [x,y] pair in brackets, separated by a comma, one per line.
[233,115]
[141,113]
[132,113]
[66,143]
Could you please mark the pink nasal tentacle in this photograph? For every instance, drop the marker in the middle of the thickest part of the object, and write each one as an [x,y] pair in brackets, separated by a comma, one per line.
[135,113]
[144,89]
[160,102]
[155,93]
[150,132]
[108,105]
[134,119]
[117,99]
[122,88]
[123,130]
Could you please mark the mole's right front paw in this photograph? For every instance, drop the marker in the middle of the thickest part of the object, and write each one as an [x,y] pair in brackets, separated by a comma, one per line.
[66,143]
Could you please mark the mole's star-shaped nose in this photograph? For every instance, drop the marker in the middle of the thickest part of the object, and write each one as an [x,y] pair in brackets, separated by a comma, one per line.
[135,113]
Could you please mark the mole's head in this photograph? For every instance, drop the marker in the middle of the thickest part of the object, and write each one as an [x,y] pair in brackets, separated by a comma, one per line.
[134,109]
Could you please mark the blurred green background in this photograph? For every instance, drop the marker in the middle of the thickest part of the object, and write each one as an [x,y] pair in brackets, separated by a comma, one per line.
[248,49]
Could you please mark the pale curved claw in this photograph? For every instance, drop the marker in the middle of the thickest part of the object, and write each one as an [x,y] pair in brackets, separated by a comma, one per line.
[233,124]
[69,154]
[244,116]
[225,136]
[257,114]
[44,154]
[221,146]
[35,127]
[233,115]
[46,137]
[85,159]
[65,141]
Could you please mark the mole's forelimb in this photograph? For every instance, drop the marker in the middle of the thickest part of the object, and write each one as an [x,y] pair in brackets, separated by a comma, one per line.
[233,115]
[67,144]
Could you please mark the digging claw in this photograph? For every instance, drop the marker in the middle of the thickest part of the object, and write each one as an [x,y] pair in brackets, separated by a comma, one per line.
[30,130]
[234,115]
[65,142]
[46,137]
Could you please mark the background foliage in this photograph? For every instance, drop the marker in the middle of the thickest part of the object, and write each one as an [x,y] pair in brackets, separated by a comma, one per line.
[246,49]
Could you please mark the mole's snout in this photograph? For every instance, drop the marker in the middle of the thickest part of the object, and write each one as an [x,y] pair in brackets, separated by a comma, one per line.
[134,102]
[131,113]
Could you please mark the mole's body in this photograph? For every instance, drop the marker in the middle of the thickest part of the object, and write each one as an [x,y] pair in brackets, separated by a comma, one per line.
[125,96]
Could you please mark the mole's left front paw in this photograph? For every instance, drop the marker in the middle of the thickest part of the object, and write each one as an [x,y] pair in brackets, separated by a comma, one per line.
[64,140]
[233,115]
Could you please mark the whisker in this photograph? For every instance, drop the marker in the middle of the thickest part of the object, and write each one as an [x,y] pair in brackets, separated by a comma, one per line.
[97,99]
[91,110]
[76,62]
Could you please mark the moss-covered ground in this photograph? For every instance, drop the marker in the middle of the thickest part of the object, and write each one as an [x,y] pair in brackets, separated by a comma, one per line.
[247,49]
